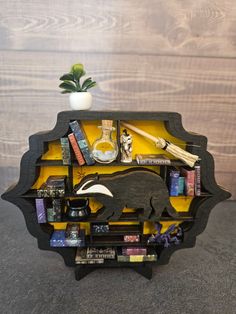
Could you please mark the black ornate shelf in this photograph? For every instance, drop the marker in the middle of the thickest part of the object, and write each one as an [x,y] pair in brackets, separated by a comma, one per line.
[193,222]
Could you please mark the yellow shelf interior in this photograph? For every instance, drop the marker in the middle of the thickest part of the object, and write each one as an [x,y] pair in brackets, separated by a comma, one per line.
[140,145]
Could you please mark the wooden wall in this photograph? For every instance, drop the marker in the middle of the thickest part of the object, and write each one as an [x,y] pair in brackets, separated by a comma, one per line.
[146,55]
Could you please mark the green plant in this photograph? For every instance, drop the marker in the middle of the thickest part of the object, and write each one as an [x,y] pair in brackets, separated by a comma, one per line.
[71,81]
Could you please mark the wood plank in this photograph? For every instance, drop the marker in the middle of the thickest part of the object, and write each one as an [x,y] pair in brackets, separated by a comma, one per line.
[202,28]
[203,90]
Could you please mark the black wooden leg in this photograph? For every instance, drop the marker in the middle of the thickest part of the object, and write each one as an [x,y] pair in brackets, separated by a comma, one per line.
[144,270]
[82,271]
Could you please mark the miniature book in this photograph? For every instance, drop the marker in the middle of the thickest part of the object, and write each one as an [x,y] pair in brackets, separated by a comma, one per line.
[96,252]
[57,207]
[131,238]
[58,239]
[189,175]
[76,149]
[81,258]
[82,141]
[41,211]
[152,159]
[100,228]
[137,258]
[134,250]
[65,147]
[51,214]
[181,183]
[174,182]
[73,238]
[197,180]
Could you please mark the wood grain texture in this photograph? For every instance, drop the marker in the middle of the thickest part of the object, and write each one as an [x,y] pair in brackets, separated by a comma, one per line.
[124,45]
[190,27]
[203,90]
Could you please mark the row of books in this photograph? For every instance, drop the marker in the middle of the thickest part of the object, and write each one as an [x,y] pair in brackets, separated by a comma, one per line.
[49,210]
[54,186]
[184,181]
[98,255]
[94,255]
[80,145]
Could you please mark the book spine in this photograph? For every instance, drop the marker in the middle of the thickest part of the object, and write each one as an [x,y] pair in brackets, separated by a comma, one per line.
[90,261]
[134,251]
[104,256]
[65,147]
[41,190]
[197,180]
[174,183]
[189,181]
[40,209]
[131,238]
[153,162]
[76,149]
[82,142]
[181,185]
[56,204]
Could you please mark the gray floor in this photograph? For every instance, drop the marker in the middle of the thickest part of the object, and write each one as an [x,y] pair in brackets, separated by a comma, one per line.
[198,280]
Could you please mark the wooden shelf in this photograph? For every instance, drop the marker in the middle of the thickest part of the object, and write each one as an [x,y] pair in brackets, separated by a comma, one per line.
[115,241]
[166,124]
[58,162]
[119,230]
[33,194]
[130,217]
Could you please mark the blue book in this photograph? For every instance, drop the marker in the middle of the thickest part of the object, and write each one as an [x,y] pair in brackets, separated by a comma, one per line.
[82,142]
[58,239]
[174,183]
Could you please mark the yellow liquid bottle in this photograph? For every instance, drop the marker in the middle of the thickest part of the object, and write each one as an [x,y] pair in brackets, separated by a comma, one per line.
[105,149]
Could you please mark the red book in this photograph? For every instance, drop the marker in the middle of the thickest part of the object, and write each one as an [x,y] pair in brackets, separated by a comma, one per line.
[76,149]
[189,181]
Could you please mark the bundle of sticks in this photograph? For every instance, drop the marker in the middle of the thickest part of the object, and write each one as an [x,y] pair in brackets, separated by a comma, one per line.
[160,142]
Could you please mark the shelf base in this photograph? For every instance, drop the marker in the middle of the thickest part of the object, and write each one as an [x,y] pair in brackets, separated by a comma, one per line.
[141,268]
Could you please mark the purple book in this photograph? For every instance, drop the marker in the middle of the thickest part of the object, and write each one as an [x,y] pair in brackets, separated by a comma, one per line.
[40,209]
[134,250]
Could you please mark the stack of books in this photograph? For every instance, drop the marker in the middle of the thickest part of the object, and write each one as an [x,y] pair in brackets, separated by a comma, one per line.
[136,254]
[54,187]
[152,159]
[94,255]
[59,238]
[79,144]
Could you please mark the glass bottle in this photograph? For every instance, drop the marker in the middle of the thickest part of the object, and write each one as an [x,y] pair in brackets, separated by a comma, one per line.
[105,149]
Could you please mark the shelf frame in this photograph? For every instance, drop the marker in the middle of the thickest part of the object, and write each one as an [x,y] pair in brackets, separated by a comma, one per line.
[31,162]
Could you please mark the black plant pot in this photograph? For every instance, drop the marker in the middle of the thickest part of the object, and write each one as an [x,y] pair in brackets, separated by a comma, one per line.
[78,209]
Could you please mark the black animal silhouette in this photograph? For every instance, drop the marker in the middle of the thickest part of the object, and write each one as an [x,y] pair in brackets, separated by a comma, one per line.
[133,188]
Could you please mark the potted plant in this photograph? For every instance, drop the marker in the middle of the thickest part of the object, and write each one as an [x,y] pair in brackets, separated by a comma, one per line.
[80,98]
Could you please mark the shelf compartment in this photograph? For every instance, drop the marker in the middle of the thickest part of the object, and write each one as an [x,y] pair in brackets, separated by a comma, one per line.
[120,230]
[116,241]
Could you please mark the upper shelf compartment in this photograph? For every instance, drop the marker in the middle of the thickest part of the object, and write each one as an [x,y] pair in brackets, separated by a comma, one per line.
[53,151]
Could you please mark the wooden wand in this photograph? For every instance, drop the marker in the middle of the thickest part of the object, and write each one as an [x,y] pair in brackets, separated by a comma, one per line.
[160,142]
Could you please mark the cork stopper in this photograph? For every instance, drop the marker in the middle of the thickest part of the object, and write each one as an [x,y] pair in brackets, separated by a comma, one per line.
[107,124]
